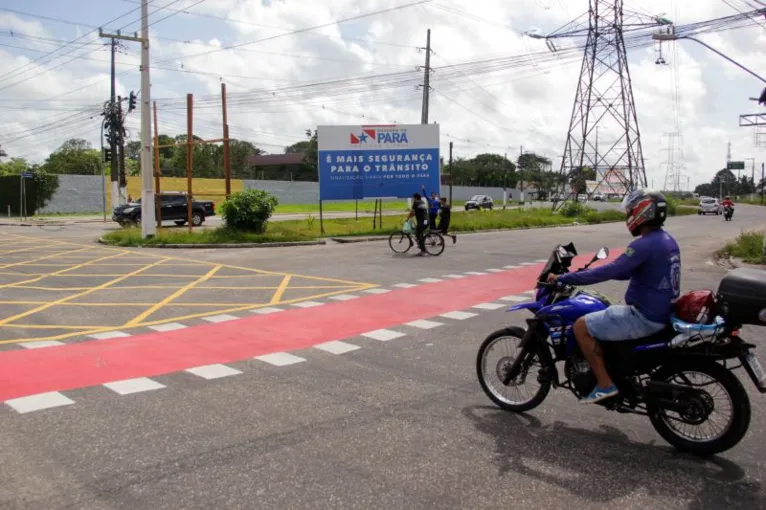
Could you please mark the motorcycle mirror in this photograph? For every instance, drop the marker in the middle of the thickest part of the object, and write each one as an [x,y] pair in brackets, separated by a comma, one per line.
[602,253]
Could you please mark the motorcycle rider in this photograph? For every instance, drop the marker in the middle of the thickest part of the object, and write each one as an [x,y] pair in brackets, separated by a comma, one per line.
[652,263]
[728,203]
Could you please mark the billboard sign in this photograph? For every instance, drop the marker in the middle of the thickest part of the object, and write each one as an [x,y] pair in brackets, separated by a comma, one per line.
[390,161]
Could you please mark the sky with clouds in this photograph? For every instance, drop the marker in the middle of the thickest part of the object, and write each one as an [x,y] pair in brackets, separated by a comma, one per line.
[493,88]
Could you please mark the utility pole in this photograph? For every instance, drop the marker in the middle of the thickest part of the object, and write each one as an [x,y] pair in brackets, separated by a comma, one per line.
[113,139]
[426,80]
[521,175]
[148,227]
[451,174]
[123,180]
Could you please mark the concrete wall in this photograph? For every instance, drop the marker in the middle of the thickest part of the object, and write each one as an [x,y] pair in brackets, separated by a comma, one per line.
[76,194]
[83,193]
[290,192]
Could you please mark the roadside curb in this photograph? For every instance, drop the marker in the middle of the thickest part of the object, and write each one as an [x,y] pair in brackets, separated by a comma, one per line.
[219,246]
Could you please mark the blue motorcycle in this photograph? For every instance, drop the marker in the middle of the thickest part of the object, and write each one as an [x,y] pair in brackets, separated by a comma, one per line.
[668,377]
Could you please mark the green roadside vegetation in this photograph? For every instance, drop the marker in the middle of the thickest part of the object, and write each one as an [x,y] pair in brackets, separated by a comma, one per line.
[364,206]
[180,235]
[309,229]
[748,246]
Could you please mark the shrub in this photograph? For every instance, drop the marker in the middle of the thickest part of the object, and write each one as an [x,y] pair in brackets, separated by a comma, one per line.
[573,209]
[249,210]
[672,205]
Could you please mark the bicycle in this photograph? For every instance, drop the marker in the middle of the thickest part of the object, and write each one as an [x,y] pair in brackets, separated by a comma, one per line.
[434,242]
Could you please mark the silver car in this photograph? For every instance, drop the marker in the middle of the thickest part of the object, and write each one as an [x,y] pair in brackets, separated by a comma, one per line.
[709,206]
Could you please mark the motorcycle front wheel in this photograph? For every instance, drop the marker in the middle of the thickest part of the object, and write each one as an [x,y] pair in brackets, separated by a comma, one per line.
[696,429]
[495,357]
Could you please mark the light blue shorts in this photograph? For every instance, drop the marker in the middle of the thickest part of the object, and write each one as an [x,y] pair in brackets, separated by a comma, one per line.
[620,322]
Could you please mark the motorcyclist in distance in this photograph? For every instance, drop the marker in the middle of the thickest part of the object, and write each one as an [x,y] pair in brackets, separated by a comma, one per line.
[728,203]
[652,263]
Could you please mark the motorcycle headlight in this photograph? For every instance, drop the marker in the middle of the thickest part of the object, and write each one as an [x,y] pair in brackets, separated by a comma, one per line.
[129,210]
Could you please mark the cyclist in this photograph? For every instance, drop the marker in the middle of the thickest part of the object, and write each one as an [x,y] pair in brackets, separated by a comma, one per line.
[420,212]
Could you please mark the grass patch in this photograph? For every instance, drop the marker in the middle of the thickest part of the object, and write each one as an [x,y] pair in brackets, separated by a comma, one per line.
[132,236]
[365,206]
[748,246]
[462,222]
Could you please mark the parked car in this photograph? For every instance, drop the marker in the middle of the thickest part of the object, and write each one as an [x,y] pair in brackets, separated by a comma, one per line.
[479,202]
[173,207]
[582,197]
[709,205]
[598,197]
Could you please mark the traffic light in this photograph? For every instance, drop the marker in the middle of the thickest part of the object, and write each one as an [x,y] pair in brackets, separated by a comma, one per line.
[131,102]
[107,155]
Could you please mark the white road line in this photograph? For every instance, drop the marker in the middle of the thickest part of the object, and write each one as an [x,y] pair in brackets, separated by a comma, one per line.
[307,304]
[489,306]
[170,326]
[542,260]
[405,285]
[213,371]
[515,299]
[454,276]
[475,273]
[376,291]
[495,270]
[344,297]
[458,316]
[267,310]
[137,385]
[384,335]
[280,359]
[533,292]
[529,263]
[38,345]
[424,324]
[109,334]
[430,280]
[336,347]
[38,402]
[220,318]
[510,267]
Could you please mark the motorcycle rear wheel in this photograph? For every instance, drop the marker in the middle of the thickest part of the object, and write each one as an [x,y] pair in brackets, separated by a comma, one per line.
[492,385]
[735,429]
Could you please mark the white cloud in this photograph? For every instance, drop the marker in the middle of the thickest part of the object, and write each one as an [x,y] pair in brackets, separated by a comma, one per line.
[527,100]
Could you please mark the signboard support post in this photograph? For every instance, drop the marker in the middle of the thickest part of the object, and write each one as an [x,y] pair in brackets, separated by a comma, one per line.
[375,215]
[356,208]
[321,219]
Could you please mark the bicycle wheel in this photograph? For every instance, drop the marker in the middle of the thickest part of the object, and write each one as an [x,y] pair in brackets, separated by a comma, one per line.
[434,244]
[400,242]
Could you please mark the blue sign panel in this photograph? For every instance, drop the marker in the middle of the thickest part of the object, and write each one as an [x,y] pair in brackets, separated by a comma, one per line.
[27,175]
[360,162]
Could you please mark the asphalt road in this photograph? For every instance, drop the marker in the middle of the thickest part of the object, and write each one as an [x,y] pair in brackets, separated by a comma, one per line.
[400,423]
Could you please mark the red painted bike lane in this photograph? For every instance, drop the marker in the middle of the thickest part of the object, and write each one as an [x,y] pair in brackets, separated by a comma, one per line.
[95,362]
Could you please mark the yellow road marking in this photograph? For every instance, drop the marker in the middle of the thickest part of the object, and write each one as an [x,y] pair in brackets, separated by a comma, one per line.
[57,273]
[25,263]
[348,286]
[49,326]
[180,292]
[75,296]
[280,290]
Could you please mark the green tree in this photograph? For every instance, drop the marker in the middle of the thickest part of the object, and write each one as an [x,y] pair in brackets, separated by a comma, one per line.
[239,158]
[15,166]
[74,157]
[579,176]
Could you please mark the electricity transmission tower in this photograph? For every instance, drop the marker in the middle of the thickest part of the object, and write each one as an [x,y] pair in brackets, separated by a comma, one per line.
[604,98]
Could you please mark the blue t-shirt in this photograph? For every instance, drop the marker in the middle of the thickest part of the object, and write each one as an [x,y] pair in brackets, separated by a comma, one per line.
[652,263]
[433,205]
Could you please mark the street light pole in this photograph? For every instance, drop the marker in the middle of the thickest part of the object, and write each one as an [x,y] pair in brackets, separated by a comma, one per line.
[671,36]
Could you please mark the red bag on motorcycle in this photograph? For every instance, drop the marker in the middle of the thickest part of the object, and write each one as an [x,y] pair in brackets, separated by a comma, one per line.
[696,307]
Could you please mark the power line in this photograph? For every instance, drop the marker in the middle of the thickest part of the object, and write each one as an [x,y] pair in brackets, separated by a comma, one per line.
[309,29]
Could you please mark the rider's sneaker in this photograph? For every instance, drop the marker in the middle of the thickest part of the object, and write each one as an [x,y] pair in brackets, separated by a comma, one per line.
[599,394]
